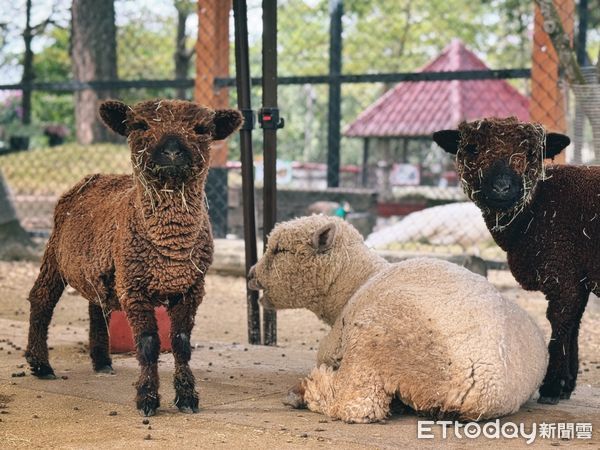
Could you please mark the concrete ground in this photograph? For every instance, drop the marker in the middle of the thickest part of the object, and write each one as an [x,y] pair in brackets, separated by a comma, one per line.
[241,386]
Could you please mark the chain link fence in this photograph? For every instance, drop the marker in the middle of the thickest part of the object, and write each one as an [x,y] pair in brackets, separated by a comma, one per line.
[394,94]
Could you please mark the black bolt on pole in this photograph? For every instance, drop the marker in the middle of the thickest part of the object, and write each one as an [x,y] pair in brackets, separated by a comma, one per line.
[242,70]
[336,11]
[270,122]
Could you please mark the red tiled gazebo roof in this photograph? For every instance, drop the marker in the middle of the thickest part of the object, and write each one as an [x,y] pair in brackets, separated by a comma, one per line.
[417,109]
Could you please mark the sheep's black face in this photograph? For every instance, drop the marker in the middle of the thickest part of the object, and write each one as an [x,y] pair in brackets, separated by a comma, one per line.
[500,161]
[171,158]
[169,139]
[501,187]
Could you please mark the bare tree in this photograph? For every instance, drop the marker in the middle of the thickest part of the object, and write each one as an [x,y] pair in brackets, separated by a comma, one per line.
[183,54]
[94,57]
[29,33]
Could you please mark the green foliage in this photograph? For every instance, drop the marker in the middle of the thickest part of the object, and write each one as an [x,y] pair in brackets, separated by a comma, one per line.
[303,37]
[48,107]
[10,109]
[18,129]
[53,63]
[381,36]
[145,45]
[378,36]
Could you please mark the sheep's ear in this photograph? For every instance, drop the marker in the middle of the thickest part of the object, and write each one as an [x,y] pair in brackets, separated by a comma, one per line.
[226,122]
[322,240]
[448,140]
[114,114]
[555,143]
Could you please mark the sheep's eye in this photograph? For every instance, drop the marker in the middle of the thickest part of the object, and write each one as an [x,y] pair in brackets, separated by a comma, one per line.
[201,129]
[139,125]
[277,249]
[471,148]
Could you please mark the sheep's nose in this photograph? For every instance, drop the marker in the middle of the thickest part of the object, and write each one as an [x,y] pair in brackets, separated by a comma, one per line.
[501,185]
[171,150]
[253,283]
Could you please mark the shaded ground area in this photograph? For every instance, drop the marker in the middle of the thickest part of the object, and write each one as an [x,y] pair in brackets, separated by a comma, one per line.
[241,386]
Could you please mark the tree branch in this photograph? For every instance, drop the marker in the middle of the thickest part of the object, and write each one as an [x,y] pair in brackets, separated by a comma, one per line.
[190,52]
[561,41]
[41,27]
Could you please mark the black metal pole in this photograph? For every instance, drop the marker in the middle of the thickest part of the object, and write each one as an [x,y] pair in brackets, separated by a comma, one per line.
[336,11]
[583,12]
[269,119]
[242,69]
[365,163]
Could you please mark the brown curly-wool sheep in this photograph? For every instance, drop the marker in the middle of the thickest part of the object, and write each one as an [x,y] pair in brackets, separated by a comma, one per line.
[136,242]
[547,219]
[431,333]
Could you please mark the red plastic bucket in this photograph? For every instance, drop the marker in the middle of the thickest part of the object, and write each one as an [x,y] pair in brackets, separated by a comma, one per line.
[121,337]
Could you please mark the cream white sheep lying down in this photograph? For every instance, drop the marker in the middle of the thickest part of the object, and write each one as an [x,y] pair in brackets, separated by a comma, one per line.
[440,338]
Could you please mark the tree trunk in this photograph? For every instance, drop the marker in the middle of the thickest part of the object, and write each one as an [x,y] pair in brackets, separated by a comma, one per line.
[15,243]
[28,74]
[94,57]
[182,54]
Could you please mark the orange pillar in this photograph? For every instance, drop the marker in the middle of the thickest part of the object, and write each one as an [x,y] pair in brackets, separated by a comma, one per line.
[212,61]
[547,105]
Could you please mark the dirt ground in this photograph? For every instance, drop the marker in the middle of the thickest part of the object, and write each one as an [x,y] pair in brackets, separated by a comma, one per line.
[241,386]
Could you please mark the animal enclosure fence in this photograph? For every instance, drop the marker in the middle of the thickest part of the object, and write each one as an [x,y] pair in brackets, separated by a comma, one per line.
[362,101]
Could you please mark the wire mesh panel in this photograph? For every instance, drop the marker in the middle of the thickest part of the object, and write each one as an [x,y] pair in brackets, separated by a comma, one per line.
[153,42]
[184,49]
[586,122]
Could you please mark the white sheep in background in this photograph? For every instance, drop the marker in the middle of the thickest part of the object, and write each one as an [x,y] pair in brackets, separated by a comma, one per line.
[431,333]
[452,224]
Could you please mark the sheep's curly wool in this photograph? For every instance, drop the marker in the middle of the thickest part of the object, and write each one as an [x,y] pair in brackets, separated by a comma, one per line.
[551,239]
[135,242]
[521,143]
[435,335]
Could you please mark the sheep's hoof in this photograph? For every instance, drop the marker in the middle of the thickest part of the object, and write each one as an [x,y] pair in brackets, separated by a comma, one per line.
[147,411]
[548,400]
[189,409]
[565,395]
[105,369]
[187,405]
[147,407]
[46,376]
[42,371]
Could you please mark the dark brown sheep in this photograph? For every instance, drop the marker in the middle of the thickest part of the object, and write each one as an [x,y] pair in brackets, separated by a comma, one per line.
[546,219]
[136,242]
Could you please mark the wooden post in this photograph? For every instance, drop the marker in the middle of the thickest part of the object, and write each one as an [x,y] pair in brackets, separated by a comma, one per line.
[547,105]
[212,61]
